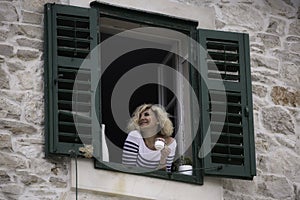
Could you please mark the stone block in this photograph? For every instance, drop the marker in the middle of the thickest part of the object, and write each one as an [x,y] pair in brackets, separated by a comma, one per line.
[287,57]
[258,103]
[269,40]
[58,182]
[287,140]
[31,79]
[265,142]
[276,26]
[17,127]
[30,31]
[277,120]
[5,139]
[31,96]
[13,160]
[242,15]
[248,187]
[293,39]
[43,192]
[26,80]
[34,112]
[259,90]
[14,66]
[29,179]
[294,28]
[6,50]
[257,47]
[294,47]
[228,195]
[287,165]
[60,169]
[281,8]
[28,55]
[29,151]
[264,76]
[4,81]
[3,34]
[14,96]
[285,97]
[9,109]
[8,12]
[277,187]
[290,72]
[258,60]
[14,188]
[4,177]
[26,42]
[41,166]
[31,18]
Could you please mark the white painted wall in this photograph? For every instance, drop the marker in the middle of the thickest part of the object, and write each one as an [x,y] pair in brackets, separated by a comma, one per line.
[128,185]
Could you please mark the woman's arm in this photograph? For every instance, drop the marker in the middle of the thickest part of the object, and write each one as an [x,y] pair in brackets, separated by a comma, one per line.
[167,155]
[130,150]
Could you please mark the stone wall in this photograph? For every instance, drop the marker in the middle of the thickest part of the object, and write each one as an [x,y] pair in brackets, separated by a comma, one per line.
[24,173]
[274,28]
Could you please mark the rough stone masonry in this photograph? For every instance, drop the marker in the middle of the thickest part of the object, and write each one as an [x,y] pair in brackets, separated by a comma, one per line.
[274,28]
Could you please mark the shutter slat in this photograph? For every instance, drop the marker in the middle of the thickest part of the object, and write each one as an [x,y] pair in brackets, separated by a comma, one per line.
[225,57]
[227,156]
[221,45]
[232,135]
[223,66]
[77,103]
[227,77]
[77,92]
[71,39]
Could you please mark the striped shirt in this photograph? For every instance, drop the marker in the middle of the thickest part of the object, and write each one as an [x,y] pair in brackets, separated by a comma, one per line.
[136,153]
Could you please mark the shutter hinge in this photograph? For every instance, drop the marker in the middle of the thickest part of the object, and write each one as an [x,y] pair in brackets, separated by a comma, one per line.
[246,112]
[200,153]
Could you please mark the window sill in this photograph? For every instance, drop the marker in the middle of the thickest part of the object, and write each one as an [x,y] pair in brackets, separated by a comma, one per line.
[128,185]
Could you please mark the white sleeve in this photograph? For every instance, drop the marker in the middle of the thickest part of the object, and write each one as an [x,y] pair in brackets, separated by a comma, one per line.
[131,149]
[171,156]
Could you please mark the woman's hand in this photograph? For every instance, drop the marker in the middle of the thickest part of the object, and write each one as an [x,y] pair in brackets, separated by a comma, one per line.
[165,152]
[163,158]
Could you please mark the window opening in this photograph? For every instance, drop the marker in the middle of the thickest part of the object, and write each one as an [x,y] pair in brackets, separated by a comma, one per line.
[150,93]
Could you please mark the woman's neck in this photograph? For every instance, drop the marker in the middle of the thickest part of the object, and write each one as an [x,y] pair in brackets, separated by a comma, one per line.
[149,132]
[149,141]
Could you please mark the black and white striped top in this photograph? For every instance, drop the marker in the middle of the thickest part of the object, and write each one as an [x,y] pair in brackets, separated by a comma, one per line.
[136,153]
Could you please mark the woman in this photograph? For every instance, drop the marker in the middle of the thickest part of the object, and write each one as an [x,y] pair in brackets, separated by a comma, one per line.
[148,123]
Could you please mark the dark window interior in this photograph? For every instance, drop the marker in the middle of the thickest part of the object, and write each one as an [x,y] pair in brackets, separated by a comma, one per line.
[149,93]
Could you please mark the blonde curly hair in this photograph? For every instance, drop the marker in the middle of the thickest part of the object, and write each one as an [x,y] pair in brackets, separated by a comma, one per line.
[162,116]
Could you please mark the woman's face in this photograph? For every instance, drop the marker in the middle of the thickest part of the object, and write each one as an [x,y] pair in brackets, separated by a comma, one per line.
[148,120]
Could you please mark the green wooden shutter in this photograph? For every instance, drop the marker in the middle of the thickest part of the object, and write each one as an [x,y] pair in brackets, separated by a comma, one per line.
[70,35]
[226,105]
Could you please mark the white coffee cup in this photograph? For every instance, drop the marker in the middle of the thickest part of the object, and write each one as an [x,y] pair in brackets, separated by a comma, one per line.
[186,169]
[159,143]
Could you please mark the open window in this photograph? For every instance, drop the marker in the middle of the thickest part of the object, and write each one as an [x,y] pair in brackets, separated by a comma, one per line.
[163,88]
[222,143]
